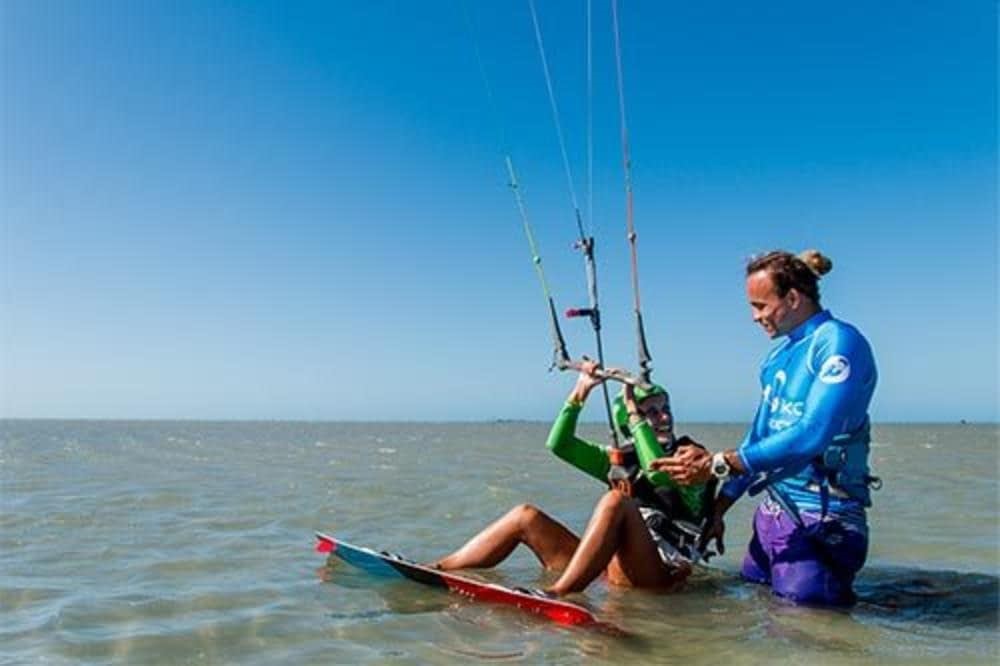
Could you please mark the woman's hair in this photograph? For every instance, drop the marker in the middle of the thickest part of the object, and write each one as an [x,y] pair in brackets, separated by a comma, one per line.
[789,271]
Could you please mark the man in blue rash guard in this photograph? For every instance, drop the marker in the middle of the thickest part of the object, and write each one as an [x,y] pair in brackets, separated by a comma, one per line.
[808,444]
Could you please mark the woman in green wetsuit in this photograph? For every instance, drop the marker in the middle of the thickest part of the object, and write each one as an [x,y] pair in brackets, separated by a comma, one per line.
[617,540]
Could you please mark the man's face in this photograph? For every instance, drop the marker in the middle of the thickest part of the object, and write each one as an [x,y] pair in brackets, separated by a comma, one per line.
[777,315]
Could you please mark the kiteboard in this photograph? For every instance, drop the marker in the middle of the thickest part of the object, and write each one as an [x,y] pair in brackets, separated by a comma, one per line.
[383,564]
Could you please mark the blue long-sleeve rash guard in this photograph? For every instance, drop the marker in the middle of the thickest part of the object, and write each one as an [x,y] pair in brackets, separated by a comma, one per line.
[816,384]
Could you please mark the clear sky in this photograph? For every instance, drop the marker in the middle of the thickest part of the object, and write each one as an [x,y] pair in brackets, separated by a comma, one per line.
[299,210]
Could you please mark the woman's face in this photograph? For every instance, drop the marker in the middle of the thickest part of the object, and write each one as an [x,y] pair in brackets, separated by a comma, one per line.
[777,315]
[657,411]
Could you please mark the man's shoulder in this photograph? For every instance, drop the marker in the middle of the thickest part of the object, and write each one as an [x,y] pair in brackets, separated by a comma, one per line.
[839,334]
[837,346]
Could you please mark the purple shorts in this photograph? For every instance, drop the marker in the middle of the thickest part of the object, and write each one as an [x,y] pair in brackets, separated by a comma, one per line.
[814,565]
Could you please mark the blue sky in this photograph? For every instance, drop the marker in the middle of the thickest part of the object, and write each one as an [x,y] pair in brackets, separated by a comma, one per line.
[250,210]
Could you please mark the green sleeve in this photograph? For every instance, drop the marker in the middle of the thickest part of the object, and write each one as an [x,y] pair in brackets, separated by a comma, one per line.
[648,449]
[584,455]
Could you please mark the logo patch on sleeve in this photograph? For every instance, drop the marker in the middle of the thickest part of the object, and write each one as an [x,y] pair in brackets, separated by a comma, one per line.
[835,370]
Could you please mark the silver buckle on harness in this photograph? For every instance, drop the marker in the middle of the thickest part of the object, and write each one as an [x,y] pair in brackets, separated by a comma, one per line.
[833,490]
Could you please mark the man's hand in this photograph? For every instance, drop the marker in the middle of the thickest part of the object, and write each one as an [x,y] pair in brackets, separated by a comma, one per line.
[715,527]
[714,530]
[689,466]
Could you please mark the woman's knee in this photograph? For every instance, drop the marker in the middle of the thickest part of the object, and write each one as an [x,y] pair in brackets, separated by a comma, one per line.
[613,501]
[527,516]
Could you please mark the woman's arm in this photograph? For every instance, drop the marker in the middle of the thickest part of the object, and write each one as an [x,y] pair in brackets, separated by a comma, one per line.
[648,449]
[586,456]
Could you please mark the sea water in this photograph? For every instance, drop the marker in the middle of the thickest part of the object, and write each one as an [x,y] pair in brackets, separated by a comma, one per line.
[191,542]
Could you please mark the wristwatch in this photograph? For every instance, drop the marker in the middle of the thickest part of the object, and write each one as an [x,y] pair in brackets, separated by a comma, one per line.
[720,468]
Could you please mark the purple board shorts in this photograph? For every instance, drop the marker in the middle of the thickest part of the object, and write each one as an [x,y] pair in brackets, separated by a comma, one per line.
[814,565]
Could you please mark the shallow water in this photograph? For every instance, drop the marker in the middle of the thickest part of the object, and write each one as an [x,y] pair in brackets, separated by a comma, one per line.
[191,542]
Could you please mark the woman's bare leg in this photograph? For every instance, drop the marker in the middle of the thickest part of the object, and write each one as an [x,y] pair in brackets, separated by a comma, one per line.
[617,539]
[551,543]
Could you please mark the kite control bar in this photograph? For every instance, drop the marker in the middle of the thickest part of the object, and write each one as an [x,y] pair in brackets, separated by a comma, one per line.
[612,374]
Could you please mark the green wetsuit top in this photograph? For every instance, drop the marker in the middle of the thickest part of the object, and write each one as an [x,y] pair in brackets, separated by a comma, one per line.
[593,458]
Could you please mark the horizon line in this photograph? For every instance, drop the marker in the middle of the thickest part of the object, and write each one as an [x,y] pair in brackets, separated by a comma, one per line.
[495,420]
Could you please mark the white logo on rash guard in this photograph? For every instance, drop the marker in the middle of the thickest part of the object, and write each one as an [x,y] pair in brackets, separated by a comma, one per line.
[772,390]
[835,370]
[784,412]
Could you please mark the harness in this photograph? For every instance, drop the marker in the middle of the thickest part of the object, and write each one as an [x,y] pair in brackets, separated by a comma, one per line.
[841,470]
[671,517]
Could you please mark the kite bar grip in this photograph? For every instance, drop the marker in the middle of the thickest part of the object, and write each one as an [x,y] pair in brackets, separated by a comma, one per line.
[612,374]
